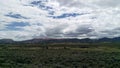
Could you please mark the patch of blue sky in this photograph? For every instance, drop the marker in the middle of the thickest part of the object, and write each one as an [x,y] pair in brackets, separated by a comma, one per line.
[41,5]
[17,16]
[21,24]
[65,15]
[10,28]
[16,26]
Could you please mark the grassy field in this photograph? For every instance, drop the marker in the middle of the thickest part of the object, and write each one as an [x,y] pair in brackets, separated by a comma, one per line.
[70,55]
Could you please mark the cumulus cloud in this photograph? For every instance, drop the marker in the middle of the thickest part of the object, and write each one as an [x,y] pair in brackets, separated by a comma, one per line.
[59,19]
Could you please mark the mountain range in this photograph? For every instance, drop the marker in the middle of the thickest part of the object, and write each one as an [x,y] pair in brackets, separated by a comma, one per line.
[52,40]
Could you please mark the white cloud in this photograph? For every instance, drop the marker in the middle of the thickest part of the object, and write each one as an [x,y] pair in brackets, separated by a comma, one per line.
[99,18]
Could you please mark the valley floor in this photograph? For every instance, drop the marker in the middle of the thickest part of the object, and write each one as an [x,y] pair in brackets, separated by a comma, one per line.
[60,57]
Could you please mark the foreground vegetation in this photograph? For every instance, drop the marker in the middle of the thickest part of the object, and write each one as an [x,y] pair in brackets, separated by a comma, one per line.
[64,55]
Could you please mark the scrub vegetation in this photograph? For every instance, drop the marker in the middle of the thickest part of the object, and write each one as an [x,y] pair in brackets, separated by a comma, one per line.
[60,55]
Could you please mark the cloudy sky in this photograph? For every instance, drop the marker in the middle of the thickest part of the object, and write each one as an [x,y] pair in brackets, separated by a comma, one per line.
[27,19]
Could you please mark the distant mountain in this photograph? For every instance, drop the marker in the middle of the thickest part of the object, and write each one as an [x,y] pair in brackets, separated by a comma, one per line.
[73,40]
[117,39]
[52,40]
[6,41]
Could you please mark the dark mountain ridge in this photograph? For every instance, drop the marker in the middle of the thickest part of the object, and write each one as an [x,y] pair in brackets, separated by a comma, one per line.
[67,40]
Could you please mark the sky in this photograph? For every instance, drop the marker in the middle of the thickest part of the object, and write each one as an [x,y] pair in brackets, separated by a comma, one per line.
[28,19]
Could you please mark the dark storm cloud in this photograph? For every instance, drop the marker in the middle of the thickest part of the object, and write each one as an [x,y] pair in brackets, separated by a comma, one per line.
[56,31]
[84,29]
